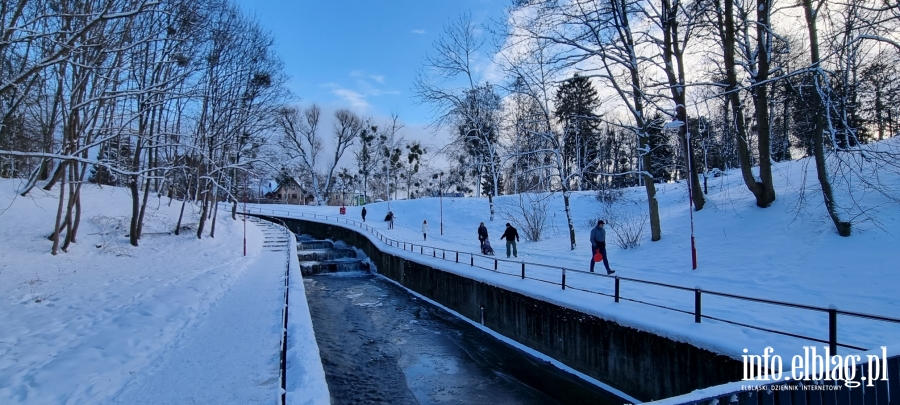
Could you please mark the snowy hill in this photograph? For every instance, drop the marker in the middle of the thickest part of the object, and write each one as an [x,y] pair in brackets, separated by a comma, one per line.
[789,252]
[82,326]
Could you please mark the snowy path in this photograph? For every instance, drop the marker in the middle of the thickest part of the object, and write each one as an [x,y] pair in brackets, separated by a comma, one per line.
[232,354]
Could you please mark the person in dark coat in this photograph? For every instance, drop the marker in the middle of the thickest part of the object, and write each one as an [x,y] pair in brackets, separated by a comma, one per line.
[390,219]
[598,244]
[482,235]
[364,214]
[512,236]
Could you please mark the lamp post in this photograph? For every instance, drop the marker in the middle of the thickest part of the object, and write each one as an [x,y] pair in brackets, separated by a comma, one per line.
[441,191]
[676,125]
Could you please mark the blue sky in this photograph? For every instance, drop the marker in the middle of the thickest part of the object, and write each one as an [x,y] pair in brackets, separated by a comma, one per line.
[362,54]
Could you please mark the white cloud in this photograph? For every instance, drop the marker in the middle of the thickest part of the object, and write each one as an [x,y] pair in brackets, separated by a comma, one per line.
[418,32]
[355,99]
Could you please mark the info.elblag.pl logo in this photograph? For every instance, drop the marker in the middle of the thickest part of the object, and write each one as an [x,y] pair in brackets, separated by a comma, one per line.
[812,366]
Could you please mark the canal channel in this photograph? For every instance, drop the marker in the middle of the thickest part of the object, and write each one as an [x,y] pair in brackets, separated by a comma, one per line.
[380,344]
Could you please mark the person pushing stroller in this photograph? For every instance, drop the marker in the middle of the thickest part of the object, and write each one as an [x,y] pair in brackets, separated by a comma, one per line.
[482,234]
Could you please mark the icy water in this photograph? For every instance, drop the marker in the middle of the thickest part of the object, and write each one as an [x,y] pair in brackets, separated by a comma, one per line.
[381,345]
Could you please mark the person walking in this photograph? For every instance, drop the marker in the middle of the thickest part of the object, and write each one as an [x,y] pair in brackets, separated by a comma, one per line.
[425,229]
[512,236]
[390,219]
[364,214]
[598,244]
[482,235]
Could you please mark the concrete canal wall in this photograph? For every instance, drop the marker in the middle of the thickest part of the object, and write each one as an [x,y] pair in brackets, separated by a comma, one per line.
[641,364]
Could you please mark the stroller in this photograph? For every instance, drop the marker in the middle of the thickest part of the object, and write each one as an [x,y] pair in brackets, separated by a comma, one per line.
[486,248]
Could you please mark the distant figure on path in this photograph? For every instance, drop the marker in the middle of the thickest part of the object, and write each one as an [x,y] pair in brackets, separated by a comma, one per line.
[425,230]
[512,236]
[390,219]
[364,214]
[598,244]
[482,235]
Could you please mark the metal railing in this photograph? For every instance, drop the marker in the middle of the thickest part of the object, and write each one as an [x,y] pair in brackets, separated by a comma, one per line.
[557,275]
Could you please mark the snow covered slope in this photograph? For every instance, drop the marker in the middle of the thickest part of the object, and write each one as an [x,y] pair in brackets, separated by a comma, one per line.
[83,326]
[788,252]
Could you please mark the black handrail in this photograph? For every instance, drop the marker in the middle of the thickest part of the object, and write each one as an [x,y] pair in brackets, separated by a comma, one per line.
[697,313]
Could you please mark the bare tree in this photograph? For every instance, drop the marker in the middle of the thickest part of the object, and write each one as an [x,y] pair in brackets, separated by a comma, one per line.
[347,128]
[678,22]
[600,34]
[469,110]
[301,141]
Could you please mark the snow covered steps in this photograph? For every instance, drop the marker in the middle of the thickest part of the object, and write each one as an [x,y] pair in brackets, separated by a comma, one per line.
[274,238]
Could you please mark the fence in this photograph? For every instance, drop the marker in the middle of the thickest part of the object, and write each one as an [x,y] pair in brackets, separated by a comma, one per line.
[556,275]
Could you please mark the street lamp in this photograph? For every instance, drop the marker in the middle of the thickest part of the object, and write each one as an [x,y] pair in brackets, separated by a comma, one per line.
[441,191]
[676,125]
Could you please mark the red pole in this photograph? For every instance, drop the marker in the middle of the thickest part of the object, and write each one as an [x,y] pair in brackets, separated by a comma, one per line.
[245,213]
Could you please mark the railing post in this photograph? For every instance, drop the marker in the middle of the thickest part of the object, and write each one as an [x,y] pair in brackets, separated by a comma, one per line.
[697,315]
[457,257]
[444,254]
[563,278]
[523,270]
[495,264]
[421,250]
[404,245]
[617,288]
[832,330]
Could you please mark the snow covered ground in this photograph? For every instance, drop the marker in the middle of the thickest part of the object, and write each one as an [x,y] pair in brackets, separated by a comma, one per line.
[788,252]
[107,322]
[176,320]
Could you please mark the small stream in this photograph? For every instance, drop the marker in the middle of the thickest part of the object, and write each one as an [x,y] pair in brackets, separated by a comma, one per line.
[381,345]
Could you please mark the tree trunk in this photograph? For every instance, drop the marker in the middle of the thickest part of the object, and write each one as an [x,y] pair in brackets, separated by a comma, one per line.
[215,212]
[569,220]
[650,187]
[761,103]
[180,216]
[491,205]
[59,210]
[671,50]
[35,176]
[757,188]
[73,196]
[135,211]
[57,174]
[843,227]
[640,120]
[203,211]
[140,223]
